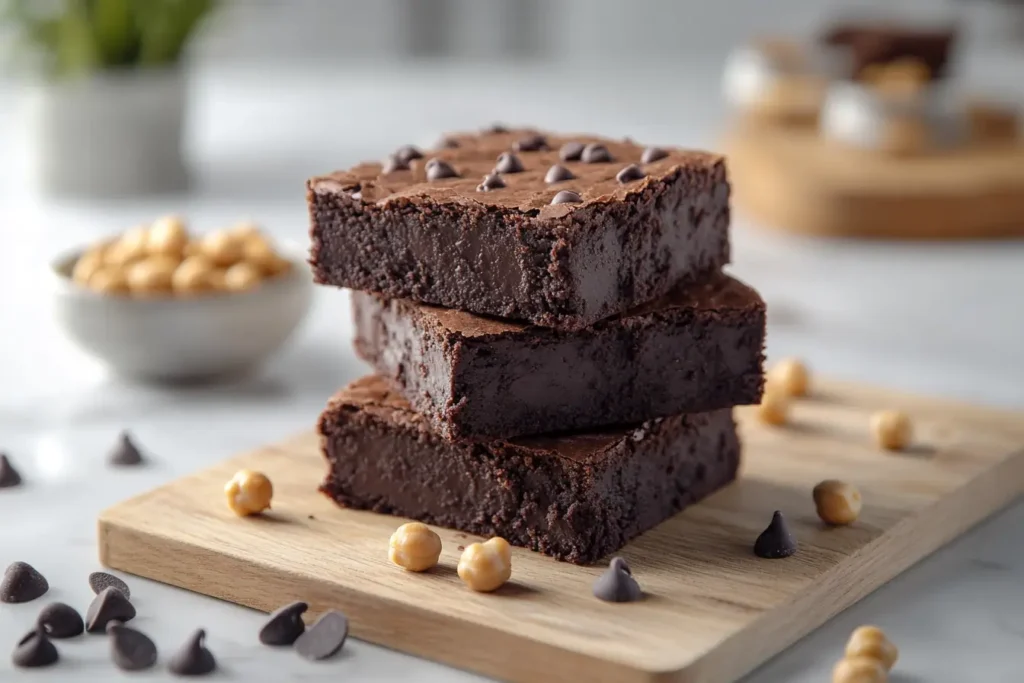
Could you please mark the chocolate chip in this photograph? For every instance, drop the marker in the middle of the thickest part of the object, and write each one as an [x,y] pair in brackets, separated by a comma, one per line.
[558,174]
[22,583]
[617,584]
[491,182]
[629,174]
[323,638]
[496,128]
[100,580]
[595,153]
[438,169]
[508,163]
[192,658]
[125,452]
[407,153]
[35,650]
[652,154]
[392,164]
[531,143]
[284,625]
[571,151]
[8,475]
[776,541]
[109,605]
[567,197]
[448,143]
[131,650]
[60,621]
[357,195]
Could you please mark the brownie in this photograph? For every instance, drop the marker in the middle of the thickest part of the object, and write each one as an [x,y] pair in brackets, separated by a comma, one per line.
[621,236]
[697,349]
[575,497]
[881,43]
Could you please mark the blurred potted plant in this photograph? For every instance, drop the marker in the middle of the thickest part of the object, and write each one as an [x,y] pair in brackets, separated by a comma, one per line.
[105,107]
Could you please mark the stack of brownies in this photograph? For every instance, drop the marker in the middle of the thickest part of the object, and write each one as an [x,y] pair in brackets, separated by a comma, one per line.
[556,349]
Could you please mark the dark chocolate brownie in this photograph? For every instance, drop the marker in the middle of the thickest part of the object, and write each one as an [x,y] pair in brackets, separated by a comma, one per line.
[880,43]
[576,497]
[614,226]
[698,348]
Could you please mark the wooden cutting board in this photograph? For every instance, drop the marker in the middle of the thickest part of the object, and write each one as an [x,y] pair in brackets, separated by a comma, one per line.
[713,610]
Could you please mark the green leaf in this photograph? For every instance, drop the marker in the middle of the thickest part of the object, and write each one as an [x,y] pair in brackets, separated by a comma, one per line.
[75,51]
[114,29]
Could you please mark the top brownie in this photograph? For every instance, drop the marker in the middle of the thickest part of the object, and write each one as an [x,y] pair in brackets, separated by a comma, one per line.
[560,231]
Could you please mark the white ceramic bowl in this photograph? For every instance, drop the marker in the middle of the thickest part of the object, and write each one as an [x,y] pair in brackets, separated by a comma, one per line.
[184,339]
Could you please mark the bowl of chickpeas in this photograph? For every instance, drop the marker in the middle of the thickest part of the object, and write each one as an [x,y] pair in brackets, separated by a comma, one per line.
[159,303]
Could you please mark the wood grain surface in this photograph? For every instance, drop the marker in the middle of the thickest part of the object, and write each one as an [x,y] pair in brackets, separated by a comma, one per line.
[712,612]
[790,179]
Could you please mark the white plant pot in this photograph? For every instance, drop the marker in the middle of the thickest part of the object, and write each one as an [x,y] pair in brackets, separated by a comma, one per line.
[116,134]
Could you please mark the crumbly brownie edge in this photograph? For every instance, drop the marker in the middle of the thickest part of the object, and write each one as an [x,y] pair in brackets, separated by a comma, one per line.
[576,511]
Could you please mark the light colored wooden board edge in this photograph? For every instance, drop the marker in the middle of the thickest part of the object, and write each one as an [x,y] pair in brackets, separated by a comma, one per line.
[912,538]
[801,200]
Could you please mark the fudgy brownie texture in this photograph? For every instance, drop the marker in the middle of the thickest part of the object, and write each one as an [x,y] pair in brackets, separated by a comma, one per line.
[499,246]
[577,497]
[699,348]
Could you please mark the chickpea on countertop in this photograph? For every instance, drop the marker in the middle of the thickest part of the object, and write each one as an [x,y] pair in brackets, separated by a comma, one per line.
[164,260]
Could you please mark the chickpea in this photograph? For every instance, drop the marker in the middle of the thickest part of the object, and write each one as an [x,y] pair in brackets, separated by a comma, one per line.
[774,407]
[244,230]
[129,248]
[892,429]
[222,248]
[217,280]
[415,547]
[87,265]
[859,670]
[152,275]
[486,566]
[870,642]
[838,503]
[241,277]
[257,251]
[790,377]
[109,280]
[192,276]
[248,493]
[167,235]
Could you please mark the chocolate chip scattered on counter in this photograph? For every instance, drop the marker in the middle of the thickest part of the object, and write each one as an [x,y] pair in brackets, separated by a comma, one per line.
[125,452]
[323,638]
[496,128]
[100,580]
[447,143]
[407,153]
[508,163]
[567,197]
[571,151]
[531,143]
[617,584]
[491,182]
[558,174]
[22,583]
[595,153]
[776,541]
[35,650]
[8,475]
[131,650]
[438,169]
[392,164]
[109,605]
[59,620]
[630,173]
[284,625]
[192,658]
[652,154]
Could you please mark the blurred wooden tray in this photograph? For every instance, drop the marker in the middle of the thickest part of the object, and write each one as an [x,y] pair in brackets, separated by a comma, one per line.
[713,610]
[789,178]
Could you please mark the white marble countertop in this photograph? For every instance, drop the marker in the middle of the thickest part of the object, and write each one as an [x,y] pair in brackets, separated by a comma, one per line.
[944,319]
